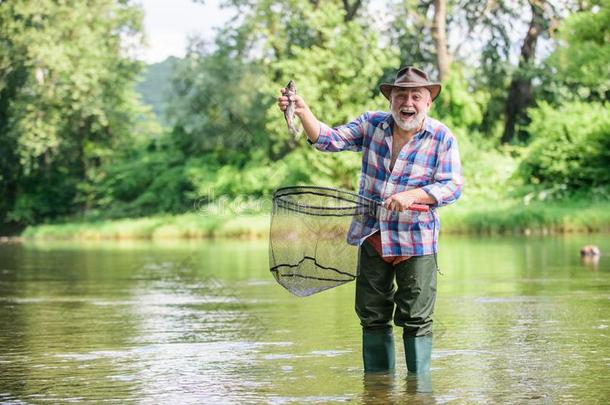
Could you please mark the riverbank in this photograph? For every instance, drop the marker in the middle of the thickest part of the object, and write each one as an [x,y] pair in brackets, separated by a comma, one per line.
[494,218]
[184,226]
[535,218]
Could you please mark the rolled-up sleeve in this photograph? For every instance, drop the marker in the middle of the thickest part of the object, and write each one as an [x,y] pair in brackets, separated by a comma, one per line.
[344,137]
[447,185]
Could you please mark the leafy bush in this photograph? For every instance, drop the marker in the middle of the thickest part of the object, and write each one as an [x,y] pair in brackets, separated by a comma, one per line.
[47,196]
[142,182]
[259,178]
[487,171]
[571,147]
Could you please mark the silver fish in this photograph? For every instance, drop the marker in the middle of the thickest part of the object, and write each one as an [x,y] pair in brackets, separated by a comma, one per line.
[291,90]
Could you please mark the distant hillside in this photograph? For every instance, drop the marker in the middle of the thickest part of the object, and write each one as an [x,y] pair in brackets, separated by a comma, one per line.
[154,85]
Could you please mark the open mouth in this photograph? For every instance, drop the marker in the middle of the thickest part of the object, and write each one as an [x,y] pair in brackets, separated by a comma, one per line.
[406,114]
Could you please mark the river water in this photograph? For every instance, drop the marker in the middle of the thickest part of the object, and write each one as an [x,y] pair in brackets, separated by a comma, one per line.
[518,320]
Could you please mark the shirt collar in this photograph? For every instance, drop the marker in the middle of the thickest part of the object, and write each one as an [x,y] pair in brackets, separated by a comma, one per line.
[387,123]
[428,126]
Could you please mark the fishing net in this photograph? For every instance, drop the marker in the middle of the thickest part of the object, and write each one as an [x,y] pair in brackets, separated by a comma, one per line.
[313,243]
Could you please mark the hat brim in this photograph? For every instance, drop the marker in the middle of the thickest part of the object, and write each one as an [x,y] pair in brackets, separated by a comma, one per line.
[434,88]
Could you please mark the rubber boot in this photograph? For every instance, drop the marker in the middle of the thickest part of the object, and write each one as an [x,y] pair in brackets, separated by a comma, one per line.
[378,351]
[418,351]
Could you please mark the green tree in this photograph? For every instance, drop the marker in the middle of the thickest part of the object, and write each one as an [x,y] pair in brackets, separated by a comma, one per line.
[217,105]
[520,91]
[225,99]
[571,135]
[66,99]
[582,59]
[410,31]
[338,76]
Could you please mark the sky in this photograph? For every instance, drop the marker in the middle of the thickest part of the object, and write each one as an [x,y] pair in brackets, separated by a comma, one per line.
[169,23]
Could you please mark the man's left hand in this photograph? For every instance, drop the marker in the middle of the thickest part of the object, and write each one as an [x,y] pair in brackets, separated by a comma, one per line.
[401,201]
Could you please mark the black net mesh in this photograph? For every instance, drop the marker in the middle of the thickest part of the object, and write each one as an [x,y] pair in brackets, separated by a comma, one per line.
[309,248]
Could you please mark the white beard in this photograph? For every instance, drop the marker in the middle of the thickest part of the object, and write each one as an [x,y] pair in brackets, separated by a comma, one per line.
[411,125]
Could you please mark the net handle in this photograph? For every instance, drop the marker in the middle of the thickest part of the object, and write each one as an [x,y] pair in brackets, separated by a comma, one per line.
[419,207]
[412,207]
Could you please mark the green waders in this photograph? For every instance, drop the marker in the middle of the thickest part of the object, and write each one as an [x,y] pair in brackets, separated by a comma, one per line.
[410,303]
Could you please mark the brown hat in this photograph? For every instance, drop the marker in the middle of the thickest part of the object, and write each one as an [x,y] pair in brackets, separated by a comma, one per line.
[411,77]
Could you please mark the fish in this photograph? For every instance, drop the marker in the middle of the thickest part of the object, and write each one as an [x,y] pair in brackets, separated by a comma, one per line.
[291,90]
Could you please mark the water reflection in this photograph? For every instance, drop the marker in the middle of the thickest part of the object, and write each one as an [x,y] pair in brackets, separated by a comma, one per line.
[395,388]
[591,260]
[378,388]
[419,383]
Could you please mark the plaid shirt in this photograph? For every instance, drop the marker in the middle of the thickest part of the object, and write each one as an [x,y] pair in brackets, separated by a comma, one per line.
[430,160]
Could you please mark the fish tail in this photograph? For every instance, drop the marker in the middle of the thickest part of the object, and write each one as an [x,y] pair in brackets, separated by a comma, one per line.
[294,131]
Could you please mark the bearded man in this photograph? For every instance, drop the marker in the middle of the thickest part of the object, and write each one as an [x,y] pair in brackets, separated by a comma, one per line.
[407,158]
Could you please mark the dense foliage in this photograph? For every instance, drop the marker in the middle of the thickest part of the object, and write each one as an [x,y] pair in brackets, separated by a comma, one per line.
[75,140]
[66,101]
[572,147]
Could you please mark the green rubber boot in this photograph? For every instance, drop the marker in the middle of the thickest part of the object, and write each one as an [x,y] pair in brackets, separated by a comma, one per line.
[378,351]
[418,351]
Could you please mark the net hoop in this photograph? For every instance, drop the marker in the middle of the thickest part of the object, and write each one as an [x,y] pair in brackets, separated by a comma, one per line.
[354,204]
